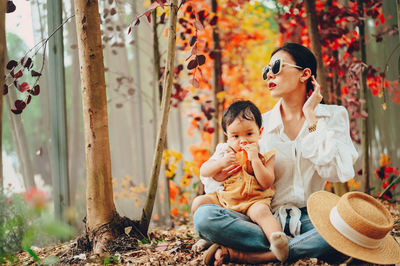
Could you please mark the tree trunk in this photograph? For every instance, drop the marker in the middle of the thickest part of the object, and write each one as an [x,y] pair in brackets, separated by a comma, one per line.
[364,106]
[163,211]
[41,163]
[218,85]
[335,86]
[165,107]
[20,140]
[336,82]
[156,57]
[398,28]
[398,17]
[3,50]
[100,208]
[75,138]
[313,33]
[59,150]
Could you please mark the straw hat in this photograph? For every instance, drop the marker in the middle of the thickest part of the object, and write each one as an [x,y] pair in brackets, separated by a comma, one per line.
[355,224]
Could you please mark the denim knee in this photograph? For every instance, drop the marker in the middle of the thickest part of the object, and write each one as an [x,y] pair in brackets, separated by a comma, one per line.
[201,219]
[229,228]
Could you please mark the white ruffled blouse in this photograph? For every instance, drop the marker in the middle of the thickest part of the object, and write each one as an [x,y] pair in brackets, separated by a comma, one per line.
[305,164]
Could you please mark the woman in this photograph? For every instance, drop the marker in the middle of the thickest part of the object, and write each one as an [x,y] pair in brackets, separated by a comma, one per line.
[314,146]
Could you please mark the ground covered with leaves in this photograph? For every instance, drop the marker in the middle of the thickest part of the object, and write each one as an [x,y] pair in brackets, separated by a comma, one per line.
[170,245]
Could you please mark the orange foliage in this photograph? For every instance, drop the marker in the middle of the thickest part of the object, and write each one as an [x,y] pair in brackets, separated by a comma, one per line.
[173,190]
[183,200]
[200,151]
[384,160]
[174,211]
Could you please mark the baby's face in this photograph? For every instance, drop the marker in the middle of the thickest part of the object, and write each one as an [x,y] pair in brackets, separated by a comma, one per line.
[242,132]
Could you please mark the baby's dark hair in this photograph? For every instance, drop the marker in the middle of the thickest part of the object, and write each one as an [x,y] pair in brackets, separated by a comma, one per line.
[242,109]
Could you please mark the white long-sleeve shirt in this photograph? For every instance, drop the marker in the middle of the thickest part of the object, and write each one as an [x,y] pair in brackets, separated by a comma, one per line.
[305,164]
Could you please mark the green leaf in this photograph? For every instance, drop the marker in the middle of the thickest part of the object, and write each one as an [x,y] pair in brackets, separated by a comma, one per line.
[110,260]
[389,186]
[33,254]
[145,240]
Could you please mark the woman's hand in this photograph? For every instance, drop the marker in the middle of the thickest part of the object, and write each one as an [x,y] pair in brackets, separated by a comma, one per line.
[312,102]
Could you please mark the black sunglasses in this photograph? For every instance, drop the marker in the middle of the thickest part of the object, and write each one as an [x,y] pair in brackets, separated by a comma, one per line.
[276,68]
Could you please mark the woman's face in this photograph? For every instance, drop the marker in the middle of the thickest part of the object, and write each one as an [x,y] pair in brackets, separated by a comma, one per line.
[287,81]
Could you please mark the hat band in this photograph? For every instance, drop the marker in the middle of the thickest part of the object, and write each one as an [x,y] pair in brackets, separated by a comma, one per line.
[351,234]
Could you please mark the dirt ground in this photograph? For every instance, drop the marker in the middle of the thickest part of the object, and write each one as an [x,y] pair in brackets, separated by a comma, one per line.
[168,246]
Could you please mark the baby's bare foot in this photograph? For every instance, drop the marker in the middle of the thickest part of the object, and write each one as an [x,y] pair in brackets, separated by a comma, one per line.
[219,258]
[279,245]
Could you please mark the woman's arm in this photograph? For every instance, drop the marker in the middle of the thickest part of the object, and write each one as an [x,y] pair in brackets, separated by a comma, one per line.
[329,147]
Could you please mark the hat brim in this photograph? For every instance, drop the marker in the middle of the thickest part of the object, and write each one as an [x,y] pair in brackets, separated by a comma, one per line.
[319,206]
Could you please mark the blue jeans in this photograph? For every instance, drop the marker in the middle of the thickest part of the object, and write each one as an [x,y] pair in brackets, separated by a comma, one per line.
[237,231]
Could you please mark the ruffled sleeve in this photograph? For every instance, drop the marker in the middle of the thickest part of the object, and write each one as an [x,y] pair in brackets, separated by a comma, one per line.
[330,148]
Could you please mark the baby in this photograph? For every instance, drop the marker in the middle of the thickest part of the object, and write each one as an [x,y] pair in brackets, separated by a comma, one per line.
[250,190]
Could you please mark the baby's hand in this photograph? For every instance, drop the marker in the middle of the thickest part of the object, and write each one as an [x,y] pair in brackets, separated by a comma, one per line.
[252,151]
[229,159]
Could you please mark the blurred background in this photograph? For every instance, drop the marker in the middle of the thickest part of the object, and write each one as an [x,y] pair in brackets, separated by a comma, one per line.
[246,33]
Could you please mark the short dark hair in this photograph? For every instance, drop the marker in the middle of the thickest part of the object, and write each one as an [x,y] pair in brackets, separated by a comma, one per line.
[303,57]
[243,109]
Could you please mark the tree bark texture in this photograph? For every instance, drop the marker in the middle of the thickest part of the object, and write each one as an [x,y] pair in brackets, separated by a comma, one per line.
[165,107]
[364,106]
[3,52]
[99,193]
[313,33]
